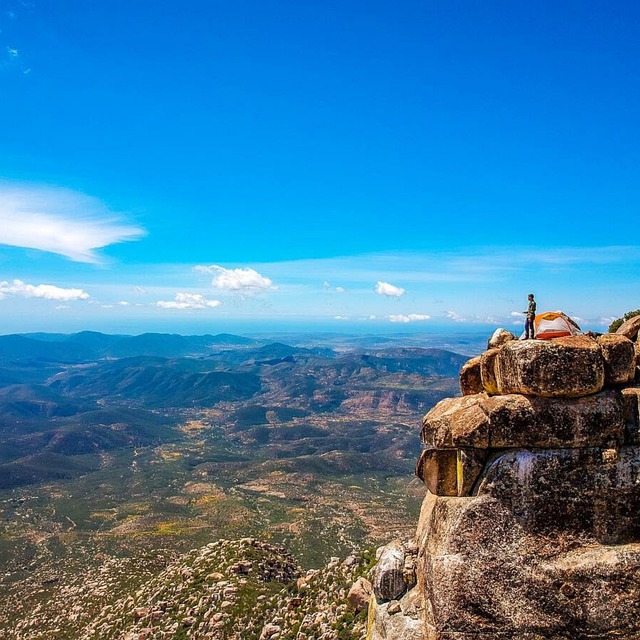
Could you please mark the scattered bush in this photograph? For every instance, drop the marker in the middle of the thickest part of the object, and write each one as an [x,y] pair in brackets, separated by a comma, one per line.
[616,324]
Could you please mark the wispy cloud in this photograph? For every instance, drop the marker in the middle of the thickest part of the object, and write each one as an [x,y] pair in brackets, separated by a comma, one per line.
[386,289]
[45,291]
[456,317]
[409,317]
[192,301]
[328,287]
[59,221]
[244,279]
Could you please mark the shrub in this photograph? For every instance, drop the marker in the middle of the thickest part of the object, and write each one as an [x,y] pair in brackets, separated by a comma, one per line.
[616,324]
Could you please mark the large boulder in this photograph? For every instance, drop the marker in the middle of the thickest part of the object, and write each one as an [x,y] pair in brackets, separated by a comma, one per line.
[388,576]
[530,421]
[547,549]
[438,469]
[360,594]
[630,328]
[451,472]
[619,358]
[587,486]
[488,362]
[500,337]
[457,422]
[470,377]
[403,620]
[495,422]
[562,367]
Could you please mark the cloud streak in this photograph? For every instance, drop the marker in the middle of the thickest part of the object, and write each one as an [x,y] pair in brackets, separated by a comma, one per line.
[59,221]
[409,317]
[44,291]
[188,301]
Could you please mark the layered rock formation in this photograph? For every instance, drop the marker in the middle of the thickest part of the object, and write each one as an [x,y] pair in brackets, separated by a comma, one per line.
[530,528]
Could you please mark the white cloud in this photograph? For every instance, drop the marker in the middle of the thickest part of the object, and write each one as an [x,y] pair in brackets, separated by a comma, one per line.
[59,221]
[386,289]
[410,317]
[456,317]
[123,303]
[327,286]
[341,318]
[517,314]
[475,318]
[46,291]
[188,301]
[246,279]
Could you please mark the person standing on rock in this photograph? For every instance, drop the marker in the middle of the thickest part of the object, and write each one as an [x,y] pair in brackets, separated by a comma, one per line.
[531,314]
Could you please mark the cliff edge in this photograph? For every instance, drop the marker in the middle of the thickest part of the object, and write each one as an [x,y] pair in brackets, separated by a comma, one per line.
[530,528]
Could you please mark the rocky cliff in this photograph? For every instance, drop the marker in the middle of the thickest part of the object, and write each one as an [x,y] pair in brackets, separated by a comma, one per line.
[530,528]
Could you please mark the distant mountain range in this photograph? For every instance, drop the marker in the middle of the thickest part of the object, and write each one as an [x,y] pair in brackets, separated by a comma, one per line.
[117,453]
[88,345]
[71,397]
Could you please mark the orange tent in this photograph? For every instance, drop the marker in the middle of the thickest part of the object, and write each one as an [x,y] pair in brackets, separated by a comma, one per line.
[554,324]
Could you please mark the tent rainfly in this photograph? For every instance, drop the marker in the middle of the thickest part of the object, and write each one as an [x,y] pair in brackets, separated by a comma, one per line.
[554,324]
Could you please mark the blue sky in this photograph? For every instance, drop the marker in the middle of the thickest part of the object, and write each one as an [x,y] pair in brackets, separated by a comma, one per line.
[200,166]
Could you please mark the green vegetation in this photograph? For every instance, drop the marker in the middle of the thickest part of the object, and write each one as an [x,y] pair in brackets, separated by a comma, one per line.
[616,324]
[111,470]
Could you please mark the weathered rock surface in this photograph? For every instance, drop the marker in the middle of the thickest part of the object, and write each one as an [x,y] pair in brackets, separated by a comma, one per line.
[360,594]
[388,581]
[631,400]
[485,573]
[619,358]
[488,362]
[457,422]
[500,337]
[470,377]
[395,620]
[570,494]
[513,420]
[530,529]
[563,367]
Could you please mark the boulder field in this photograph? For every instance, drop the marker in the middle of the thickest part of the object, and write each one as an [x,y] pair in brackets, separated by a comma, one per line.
[530,528]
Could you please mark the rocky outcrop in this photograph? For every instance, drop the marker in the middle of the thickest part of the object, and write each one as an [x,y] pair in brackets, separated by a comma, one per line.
[471,377]
[499,338]
[630,328]
[531,524]
[619,356]
[359,595]
[234,590]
